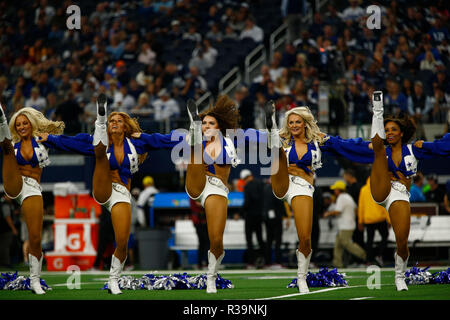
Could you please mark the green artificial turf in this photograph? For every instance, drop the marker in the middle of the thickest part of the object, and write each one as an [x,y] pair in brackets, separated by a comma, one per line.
[271,285]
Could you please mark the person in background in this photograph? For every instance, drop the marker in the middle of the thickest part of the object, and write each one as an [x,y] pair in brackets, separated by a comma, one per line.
[145,200]
[253,213]
[373,217]
[198,217]
[447,197]
[353,189]
[345,209]
[436,193]
[7,230]
[274,211]
[105,240]
[416,193]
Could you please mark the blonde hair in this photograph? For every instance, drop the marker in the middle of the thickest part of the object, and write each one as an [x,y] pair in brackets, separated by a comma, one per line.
[39,123]
[131,126]
[312,131]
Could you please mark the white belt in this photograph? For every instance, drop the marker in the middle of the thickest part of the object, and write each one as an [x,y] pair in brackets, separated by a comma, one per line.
[399,187]
[32,182]
[217,182]
[120,188]
[300,181]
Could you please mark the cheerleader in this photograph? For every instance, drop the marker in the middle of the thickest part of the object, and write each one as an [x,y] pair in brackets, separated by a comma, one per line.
[22,170]
[300,144]
[393,167]
[207,173]
[119,146]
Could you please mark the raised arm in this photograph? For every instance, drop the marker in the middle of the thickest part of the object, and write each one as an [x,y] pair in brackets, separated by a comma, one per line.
[80,143]
[428,150]
[145,142]
[356,150]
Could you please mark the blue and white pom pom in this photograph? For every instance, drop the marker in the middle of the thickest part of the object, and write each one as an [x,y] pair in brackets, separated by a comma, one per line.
[177,281]
[416,275]
[323,278]
[12,281]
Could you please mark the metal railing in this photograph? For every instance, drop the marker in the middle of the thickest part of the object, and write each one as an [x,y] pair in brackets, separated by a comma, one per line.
[277,39]
[207,98]
[251,65]
[230,81]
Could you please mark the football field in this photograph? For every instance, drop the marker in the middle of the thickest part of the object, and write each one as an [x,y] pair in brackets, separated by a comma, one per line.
[248,285]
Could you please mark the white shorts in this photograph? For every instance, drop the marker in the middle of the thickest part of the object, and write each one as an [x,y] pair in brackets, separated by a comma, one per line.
[119,194]
[30,187]
[213,186]
[297,187]
[398,192]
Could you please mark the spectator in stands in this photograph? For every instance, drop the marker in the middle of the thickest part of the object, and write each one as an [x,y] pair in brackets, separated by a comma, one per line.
[195,85]
[416,193]
[253,213]
[419,107]
[346,210]
[36,100]
[127,102]
[69,111]
[214,34]
[353,12]
[429,62]
[292,12]
[165,107]
[198,217]
[274,211]
[373,217]
[357,104]
[252,31]
[175,33]
[439,105]
[275,68]
[353,189]
[143,106]
[200,61]
[230,33]
[396,98]
[192,34]
[436,193]
[246,107]
[7,230]
[147,56]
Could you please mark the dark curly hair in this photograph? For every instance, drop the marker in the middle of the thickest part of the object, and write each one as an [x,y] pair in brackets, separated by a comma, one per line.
[226,113]
[407,126]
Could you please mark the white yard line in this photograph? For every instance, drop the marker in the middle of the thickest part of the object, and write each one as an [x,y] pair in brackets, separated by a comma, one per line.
[362,298]
[311,292]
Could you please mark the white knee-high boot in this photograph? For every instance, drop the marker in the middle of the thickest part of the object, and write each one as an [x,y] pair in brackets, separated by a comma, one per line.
[100,134]
[195,129]
[400,268]
[377,117]
[302,271]
[114,275]
[273,137]
[4,128]
[211,276]
[35,274]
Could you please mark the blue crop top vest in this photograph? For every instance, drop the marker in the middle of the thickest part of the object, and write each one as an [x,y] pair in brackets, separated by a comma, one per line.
[40,155]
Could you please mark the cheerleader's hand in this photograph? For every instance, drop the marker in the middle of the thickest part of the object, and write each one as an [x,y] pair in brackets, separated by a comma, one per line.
[43,136]
[418,144]
[136,135]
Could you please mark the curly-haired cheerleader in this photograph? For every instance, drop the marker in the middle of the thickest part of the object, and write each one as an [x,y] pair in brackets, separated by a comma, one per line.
[206,179]
[393,167]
